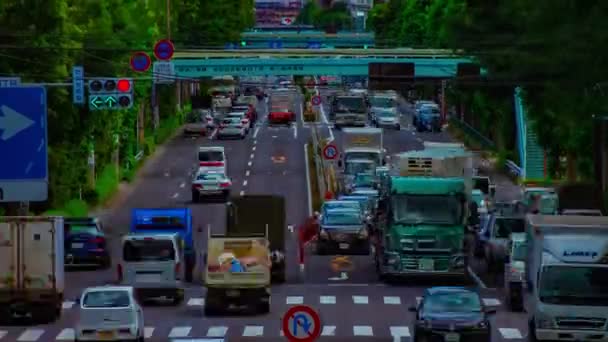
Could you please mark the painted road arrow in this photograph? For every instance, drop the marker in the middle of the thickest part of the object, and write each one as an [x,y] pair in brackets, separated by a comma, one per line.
[111,101]
[12,123]
[96,102]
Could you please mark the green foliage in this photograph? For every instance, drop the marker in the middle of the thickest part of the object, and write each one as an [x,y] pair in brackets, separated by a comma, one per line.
[337,16]
[43,40]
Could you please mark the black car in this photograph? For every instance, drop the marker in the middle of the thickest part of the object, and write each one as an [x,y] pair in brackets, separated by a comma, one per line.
[452,314]
[85,243]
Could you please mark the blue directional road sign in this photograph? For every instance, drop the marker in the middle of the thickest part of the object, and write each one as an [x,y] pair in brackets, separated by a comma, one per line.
[7,82]
[78,85]
[23,144]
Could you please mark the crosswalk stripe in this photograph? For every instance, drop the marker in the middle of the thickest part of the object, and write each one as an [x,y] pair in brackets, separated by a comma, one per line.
[328,330]
[180,332]
[294,300]
[31,335]
[400,331]
[67,305]
[66,335]
[363,330]
[253,330]
[217,331]
[510,333]
[196,302]
[360,300]
[327,300]
[148,332]
[391,300]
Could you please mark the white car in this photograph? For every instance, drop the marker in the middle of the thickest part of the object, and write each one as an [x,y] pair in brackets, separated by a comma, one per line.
[241,116]
[109,313]
[210,183]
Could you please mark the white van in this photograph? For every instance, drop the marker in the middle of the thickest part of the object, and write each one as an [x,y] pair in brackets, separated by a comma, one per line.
[153,264]
[211,156]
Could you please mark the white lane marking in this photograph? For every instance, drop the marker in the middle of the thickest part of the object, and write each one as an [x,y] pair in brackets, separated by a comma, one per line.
[148,332]
[398,332]
[67,305]
[175,195]
[180,332]
[327,300]
[31,335]
[294,300]
[253,148]
[418,300]
[343,276]
[213,134]
[217,331]
[3,333]
[255,133]
[245,182]
[251,156]
[391,300]
[255,142]
[196,302]
[301,116]
[274,136]
[242,193]
[476,278]
[360,300]
[295,131]
[253,330]
[363,330]
[328,330]
[491,302]
[290,227]
[182,185]
[510,333]
[66,335]
[324,119]
[247,173]
[308,180]
[249,163]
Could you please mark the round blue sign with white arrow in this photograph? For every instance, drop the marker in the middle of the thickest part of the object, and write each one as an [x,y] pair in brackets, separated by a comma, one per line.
[163,50]
[140,62]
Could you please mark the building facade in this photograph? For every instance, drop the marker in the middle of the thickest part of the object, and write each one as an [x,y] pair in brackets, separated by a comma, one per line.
[277,12]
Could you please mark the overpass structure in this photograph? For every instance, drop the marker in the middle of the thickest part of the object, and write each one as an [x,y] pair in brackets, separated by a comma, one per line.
[429,63]
[306,39]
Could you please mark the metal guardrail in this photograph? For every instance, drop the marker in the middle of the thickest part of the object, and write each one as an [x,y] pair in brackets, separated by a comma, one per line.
[513,168]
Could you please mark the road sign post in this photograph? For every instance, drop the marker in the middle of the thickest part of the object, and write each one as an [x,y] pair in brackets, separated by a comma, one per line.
[330,152]
[23,144]
[78,85]
[164,73]
[316,100]
[301,323]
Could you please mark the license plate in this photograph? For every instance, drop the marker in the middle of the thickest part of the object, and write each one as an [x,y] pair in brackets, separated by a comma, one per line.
[147,278]
[452,337]
[105,335]
[77,245]
[344,246]
[233,293]
[426,265]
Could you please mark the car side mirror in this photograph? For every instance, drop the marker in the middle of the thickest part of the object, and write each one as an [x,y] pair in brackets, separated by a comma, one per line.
[412,309]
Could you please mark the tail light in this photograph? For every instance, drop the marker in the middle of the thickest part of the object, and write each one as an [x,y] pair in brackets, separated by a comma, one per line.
[215,163]
[98,240]
[119,272]
[225,184]
[197,186]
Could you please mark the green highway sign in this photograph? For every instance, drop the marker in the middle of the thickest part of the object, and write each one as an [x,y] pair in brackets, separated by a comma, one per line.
[111,102]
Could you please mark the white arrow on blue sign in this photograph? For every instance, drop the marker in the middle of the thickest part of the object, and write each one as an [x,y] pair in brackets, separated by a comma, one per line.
[23,144]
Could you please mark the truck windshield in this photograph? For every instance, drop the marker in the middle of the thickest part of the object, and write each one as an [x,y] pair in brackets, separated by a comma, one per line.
[362,155]
[341,217]
[429,209]
[505,226]
[354,168]
[574,285]
[349,104]
[382,102]
[148,250]
[518,251]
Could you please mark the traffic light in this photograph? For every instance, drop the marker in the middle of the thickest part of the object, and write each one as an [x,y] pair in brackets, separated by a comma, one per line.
[243,43]
[110,93]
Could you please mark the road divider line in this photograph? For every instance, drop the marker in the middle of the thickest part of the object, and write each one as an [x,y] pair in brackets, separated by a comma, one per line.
[242,193]
[182,185]
[247,173]
[249,163]
[213,134]
[245,182]
[324,119]
[295,131]
[175,195]
[255,142]
[251,156]
[308,192]
[253,148]
[255,132]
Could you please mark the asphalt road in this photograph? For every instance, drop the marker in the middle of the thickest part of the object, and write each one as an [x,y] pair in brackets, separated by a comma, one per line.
[353,306]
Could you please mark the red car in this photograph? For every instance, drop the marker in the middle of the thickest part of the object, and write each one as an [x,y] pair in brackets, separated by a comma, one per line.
[281,116]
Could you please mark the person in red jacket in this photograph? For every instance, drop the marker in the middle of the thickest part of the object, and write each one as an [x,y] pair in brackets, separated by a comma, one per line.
[307,232]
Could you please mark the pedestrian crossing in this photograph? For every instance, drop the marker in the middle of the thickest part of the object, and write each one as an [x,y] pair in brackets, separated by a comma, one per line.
[323,300]
[402,333]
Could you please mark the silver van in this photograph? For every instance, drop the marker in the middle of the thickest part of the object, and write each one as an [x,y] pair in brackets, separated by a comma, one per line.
[153,264]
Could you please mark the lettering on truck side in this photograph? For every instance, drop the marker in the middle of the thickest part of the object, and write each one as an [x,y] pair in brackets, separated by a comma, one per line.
[580,254]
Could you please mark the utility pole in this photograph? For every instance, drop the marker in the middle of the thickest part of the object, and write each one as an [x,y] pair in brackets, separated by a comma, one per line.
[168,19]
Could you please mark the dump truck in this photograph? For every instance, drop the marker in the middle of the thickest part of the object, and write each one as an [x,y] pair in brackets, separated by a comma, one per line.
[237,274]
[32,278]
[348,109]
[567,275]
[252,214]
[422,222]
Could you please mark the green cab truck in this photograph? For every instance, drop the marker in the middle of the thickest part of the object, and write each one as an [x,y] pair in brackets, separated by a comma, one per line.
[421,231]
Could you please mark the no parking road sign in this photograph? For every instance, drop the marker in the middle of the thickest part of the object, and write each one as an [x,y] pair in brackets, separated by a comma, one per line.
[301,323]
[330,152]
[316,100]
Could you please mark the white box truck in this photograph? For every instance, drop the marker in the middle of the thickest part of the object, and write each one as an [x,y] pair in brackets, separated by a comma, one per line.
[567,274]
[32,278]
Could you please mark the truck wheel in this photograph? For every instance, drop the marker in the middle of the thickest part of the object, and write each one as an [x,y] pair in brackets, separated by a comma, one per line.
[210,310]
[398,127]
[321,250]
[531,331]
[263,308]
[106,263]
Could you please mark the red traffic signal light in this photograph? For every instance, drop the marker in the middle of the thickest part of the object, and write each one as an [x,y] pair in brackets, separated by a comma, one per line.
[123,86]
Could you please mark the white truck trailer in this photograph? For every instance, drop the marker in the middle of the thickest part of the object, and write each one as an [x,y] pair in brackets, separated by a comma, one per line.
[567,273]
[32,278]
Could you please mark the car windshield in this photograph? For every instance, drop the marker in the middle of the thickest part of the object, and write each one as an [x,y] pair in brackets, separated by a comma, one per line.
[349,104]
[341,205]
[518,251]
[81,229]
[362,155]
[452,302]
[421,104]
[386,114]
[430,209]
[359,167]
[148,250]
[382,102]
[364,180]
[232,121]
[503,227]
[342,217]
[430,111]
[106,299]
[574,285]
[210,177]
[210,156]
